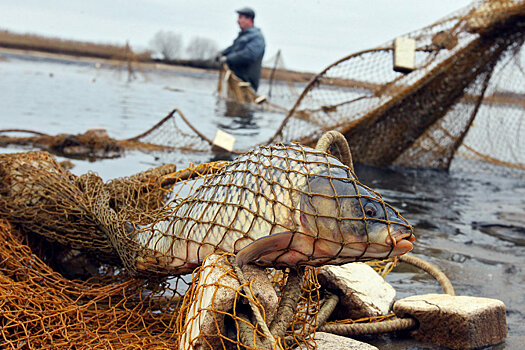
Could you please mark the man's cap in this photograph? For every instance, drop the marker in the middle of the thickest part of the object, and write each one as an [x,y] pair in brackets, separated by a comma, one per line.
[246,11]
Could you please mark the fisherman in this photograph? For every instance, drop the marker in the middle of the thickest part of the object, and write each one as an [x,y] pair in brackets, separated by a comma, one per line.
[244,56]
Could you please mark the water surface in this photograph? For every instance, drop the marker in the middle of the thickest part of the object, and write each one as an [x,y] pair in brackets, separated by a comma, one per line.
[470,225]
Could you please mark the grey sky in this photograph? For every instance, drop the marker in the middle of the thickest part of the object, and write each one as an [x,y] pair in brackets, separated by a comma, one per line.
[310,33]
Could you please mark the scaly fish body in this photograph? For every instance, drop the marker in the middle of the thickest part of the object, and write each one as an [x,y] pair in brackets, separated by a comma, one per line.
[279,205]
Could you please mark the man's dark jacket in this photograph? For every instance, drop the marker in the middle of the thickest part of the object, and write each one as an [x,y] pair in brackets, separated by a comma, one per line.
[244,56]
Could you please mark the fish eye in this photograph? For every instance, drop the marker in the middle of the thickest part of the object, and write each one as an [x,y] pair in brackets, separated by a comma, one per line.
[370,209]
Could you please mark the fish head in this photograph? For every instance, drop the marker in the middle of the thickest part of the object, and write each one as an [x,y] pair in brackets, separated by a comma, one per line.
[350,222]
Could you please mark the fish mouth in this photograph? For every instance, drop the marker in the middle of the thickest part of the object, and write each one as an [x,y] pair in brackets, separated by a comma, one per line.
[400,241]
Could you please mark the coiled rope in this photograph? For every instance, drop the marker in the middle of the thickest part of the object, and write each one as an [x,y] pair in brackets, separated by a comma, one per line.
[393,325]
[335,143]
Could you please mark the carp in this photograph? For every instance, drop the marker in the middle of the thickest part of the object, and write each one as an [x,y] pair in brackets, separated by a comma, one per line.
[278,206]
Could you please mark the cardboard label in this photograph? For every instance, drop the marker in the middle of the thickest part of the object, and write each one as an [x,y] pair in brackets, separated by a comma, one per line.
[404,54]
[224,140]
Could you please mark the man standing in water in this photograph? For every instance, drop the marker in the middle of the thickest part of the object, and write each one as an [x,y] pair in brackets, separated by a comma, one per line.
[244,56]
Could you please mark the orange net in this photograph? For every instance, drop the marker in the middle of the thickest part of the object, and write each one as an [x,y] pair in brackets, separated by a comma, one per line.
[42,309]
[88,263]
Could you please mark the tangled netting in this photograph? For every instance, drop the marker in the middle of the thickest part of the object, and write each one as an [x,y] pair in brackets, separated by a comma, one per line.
[464,95]
[460,106]
[232,87]
[85,263]
[93,144]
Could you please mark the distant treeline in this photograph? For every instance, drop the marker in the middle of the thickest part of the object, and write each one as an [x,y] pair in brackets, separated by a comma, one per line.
[163,50]
[66,47]
[166,48]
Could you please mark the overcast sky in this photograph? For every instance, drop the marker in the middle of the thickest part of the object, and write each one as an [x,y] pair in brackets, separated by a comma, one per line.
[310,33]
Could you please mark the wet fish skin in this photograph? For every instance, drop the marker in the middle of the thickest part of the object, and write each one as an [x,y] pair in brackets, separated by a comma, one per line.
[351,216]
[277,205]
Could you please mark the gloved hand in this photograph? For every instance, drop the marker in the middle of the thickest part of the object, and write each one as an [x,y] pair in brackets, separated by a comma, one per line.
[217,57]
[223,59]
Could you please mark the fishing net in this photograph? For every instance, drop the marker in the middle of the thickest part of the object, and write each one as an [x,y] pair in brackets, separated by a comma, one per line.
[463,95]
[41,309]
[280,85]
[458,105]
[170,133]
[92,144]
[236,89]
[73,272]
[279,88]
[175,131]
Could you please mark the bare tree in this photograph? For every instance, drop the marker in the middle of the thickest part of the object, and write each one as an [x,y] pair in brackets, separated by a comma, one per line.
[167,43]
[201,48]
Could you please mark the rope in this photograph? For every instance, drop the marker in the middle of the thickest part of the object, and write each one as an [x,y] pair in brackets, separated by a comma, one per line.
[431,269]
[248,334]
[327,309]
[395,325]
[256,312]
[24,130]
[354,329]
[334,140]
[288,304]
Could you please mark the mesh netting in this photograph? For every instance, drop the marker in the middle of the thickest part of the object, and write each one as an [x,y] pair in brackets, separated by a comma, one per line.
[281,87]
[34,186]
[42,309]
[277,206]
[175,131]
[465,92]
[93,144]
[462,100]
[123,259]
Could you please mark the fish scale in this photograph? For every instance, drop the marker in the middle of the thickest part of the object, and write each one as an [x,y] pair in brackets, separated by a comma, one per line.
[258,194]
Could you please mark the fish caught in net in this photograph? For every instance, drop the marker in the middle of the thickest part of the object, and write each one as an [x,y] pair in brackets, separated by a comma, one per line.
[136,239]
[277,206]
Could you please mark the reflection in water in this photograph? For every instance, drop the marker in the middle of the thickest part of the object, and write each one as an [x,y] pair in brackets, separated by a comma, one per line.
[241,117]
[471,226]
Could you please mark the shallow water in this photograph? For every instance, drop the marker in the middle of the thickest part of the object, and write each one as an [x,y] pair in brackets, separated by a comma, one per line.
[470,225]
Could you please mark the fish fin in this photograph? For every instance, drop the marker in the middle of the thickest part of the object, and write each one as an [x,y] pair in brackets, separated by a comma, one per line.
[263,245]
